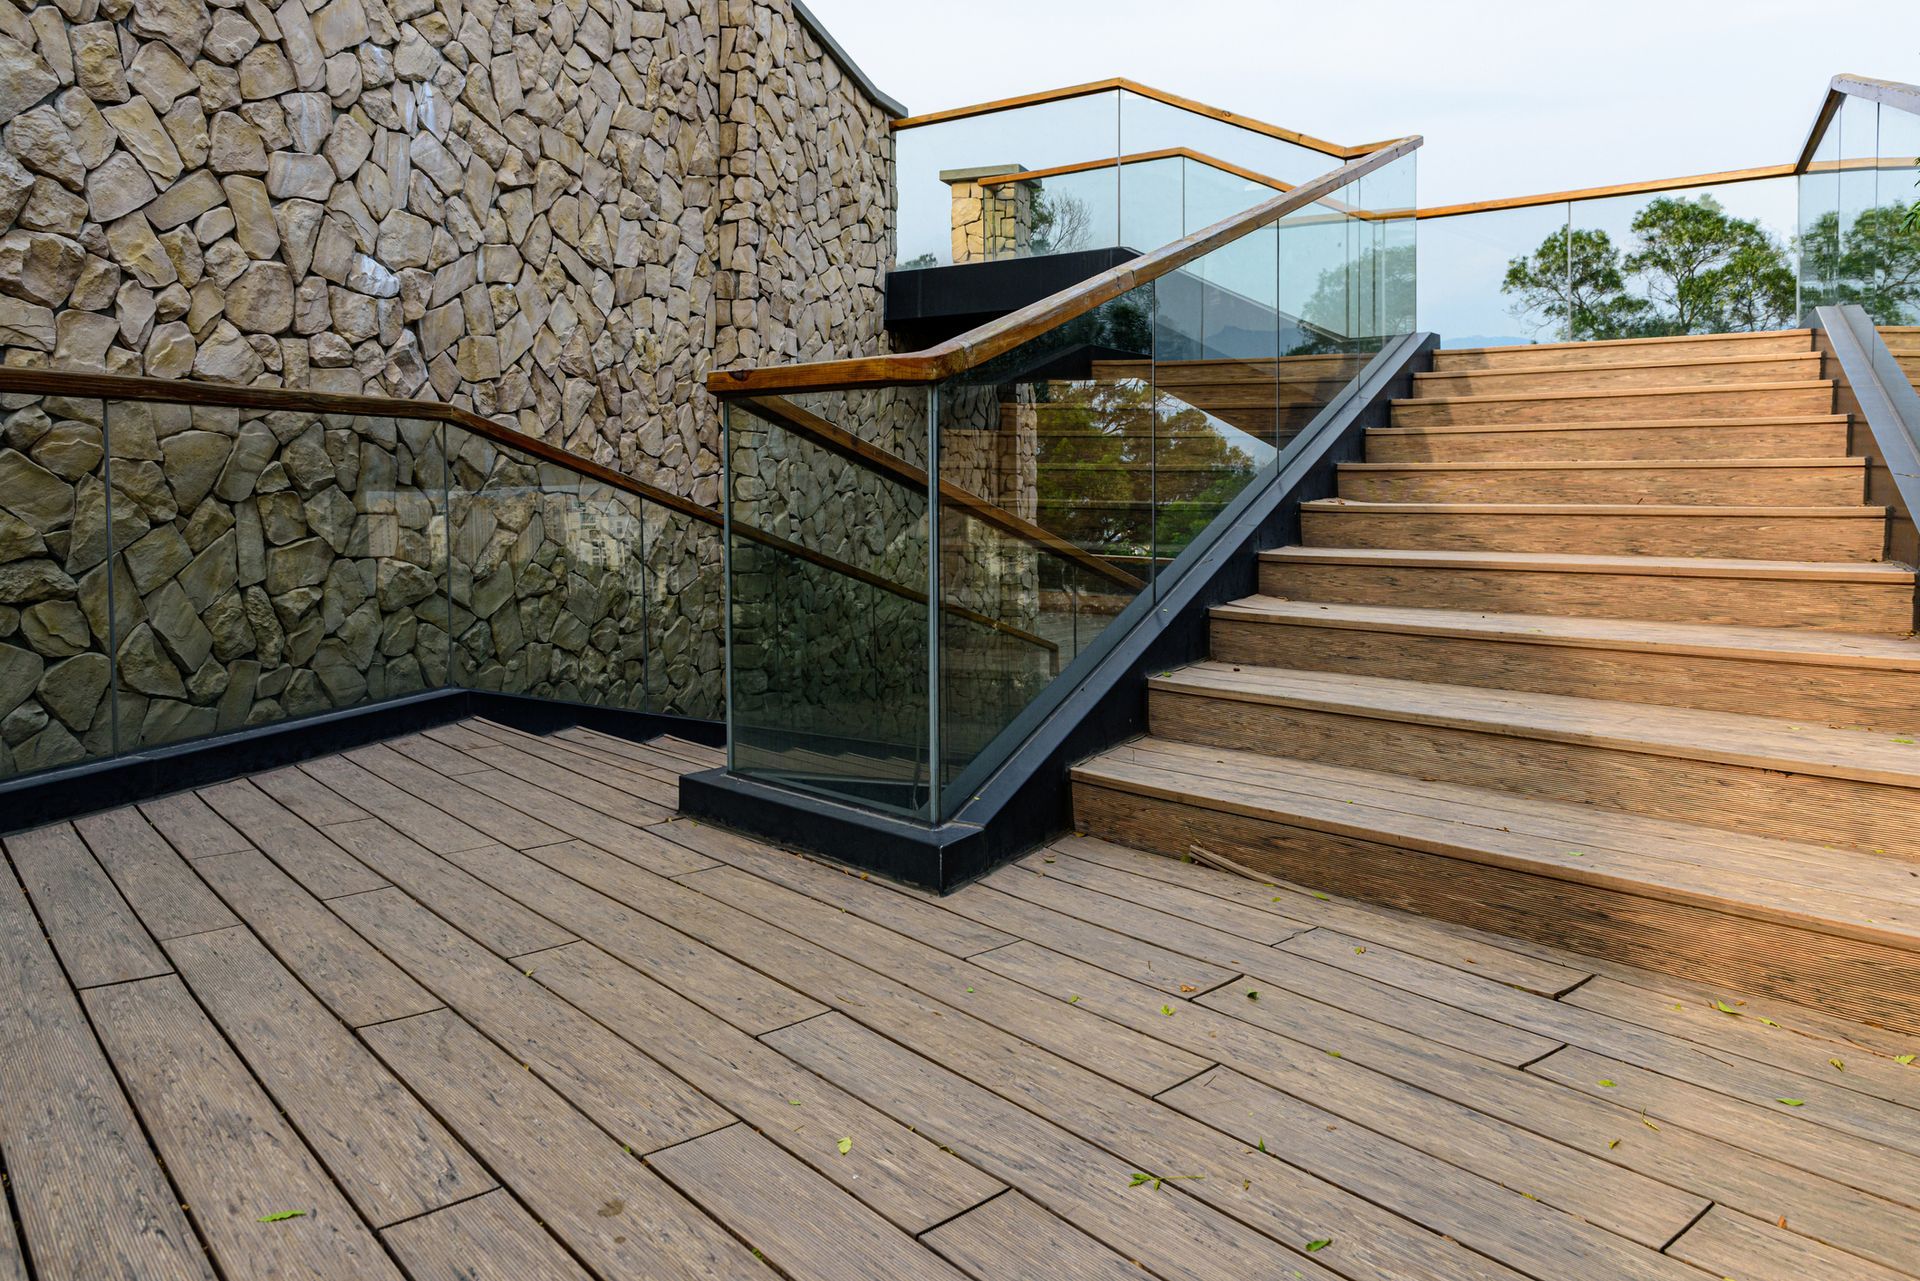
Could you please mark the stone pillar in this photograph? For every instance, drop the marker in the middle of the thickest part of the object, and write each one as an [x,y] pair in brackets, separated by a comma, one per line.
[990,220]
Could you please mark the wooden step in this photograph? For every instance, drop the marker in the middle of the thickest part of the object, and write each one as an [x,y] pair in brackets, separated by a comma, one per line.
[1726,481]
[1747,400]
[1812,436]
[1825,677]
[1686,371]
[1741,593]
[1619,529]
[1762,917]
[1619,350]
[1792,780]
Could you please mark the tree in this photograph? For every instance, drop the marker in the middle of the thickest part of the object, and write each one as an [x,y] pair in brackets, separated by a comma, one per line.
[1875,263]
[1062,223]
[1691,268]
[919,260]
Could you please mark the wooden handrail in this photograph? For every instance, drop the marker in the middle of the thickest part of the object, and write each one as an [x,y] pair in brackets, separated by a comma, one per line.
[966,351]
[83,386]
[1136,158]
[849,446]
[54,382]
[1617,189]
[1293,136]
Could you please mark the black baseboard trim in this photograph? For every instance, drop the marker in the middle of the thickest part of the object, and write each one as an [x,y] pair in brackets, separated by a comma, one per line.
[1028,800]
[70,791]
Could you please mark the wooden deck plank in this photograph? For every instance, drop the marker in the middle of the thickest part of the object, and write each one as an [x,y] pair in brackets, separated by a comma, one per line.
[13,1263]
[1265,928]
[1636,1207]
[395,764]
[93,1202]
[436,756]
[192,828]
[612,771]
[345,971]
[566,780]
[1838,1107]
[386,1152]
[1011,1235]
[1114,1053]
[299,849]
[628,767]
[653,752]
[312,800]
[618,1216]
[1507,1224]
[1213,943]
[1727,1244]
[579,821]
[1779,1130]
[626,1093]
[1607,1128]
[156,882]
[97,935]
[417,819]
[489,1238]
[741,996]
[879,902]
[804,1225]
[1472,950]
[505,927]
[234,1157]
[902,1176]
[1171,1234]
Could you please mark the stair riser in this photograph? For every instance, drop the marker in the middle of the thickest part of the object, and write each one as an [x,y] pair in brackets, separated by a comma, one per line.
[1697,486]
[1813,604]
[1859,980]
[1730,402]
[1782,369]
[1812,440]
[1735,537]
[1804,807]
[1822,694]
[1602,354]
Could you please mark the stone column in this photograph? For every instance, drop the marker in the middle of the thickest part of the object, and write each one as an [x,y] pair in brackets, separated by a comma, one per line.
[990,221]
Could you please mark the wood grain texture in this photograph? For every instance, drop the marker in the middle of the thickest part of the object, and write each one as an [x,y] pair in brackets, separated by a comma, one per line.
[1732,482]
[391,1158]
[193,829]
[92,1199]
[489,1238]
[346,972]
[233,1156]
[401,765]
[1619,350]
[1690,370]
[1743,400]
[320,866]
[156,882]
[97,935]
[1728,1243]
[1809,437]
[418,820]
[1011,1234]
[803,1224]
[610,1210]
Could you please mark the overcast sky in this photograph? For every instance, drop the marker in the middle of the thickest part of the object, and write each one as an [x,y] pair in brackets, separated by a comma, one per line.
[1513,97]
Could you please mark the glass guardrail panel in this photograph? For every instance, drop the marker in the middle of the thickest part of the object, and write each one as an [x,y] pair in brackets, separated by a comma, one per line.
[828,658]
[57,618]
[1699,260]
[685,615]
[1895,238]
[944,214]
[271,565]
[1153,202]
[1498,277]
[1147,124]
[1818,197]
[549,571]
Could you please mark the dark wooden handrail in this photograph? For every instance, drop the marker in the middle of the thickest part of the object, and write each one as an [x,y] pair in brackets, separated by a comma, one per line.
[84,386]
[975,347]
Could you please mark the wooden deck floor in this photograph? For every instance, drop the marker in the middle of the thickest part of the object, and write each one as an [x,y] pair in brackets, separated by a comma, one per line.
[472,1004]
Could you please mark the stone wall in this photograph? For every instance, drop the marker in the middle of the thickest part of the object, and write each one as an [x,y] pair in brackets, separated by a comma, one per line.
[558,213]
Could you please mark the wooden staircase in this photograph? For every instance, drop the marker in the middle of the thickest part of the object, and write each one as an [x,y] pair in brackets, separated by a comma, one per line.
[1597,648]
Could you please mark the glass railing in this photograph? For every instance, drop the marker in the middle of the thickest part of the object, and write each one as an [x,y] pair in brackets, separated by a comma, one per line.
[1860,204]
[1092,167]
[174,565]
[924,550]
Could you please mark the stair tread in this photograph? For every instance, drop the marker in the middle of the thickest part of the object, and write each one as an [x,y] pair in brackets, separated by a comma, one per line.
[1743,875]
[1636,366]
[1597,509]
[1630,343]
[1642,425]
[1595,393]
[1606,464]
[1785,644]
[1735,738]
[1688,566]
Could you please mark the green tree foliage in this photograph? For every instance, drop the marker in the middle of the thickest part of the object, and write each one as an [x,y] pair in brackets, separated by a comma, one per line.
[1876,263]
[1691,268]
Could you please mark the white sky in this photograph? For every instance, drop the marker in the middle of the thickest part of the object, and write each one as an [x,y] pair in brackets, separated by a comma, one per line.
[1513,97]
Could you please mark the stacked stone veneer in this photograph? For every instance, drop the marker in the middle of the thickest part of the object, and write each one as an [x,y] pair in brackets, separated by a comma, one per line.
[990,220]
[558,214]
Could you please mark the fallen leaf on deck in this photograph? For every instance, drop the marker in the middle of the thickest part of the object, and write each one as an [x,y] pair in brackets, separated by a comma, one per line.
[281,1215]
[846,1146]
[1316,1246]
[1792,1103]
